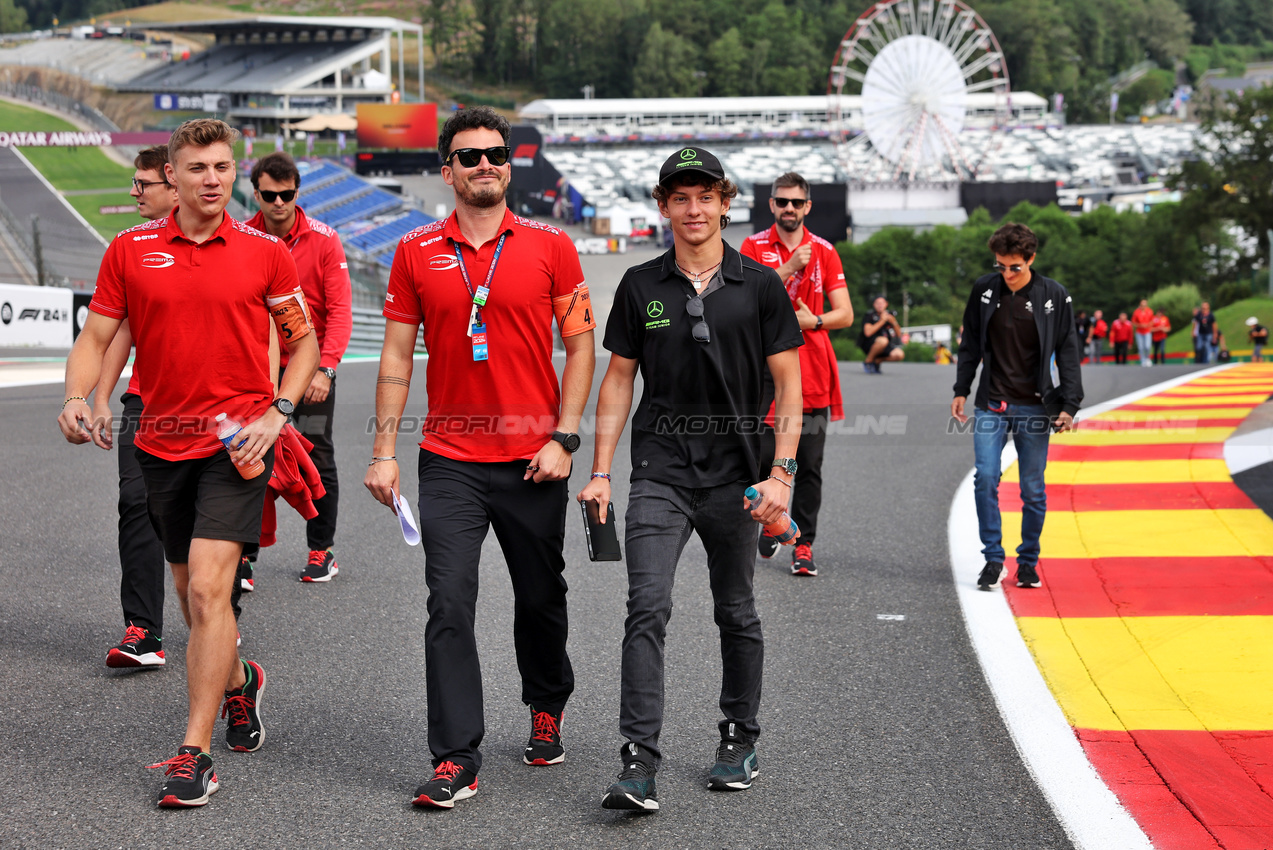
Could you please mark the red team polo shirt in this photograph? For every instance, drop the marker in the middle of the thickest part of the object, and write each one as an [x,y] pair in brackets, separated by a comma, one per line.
[819,370]
[200,324]
[324,273]
[504,408]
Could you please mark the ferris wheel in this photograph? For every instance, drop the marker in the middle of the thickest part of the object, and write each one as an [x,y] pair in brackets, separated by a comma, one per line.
[914,63]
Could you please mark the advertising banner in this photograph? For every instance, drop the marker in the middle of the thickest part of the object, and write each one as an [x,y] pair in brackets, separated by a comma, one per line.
[80,139]
[398,125]
[192,102]
[35,316]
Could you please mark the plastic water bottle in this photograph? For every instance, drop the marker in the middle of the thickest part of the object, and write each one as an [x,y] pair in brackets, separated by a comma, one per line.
[784,530]
[227,429]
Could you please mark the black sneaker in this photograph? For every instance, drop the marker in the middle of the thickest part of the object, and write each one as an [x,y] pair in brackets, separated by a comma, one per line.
[635,789]
[190,779]
[802,561]
[246,579]
[450,782]
[989,575]
[767,546]
[244,732]
[736,763]
[139,648]
[322,566]
[1027,576]
[544,746]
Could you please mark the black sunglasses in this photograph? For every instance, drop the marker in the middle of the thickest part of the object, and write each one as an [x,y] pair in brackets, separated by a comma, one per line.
[286,195]
[142,184]
[796,203]
[1000,267]
[694,306]
[472,157]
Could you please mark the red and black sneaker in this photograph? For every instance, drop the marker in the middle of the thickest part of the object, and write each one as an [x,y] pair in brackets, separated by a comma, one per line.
[802,561]
[139,648]
[246,576]
[544,747]
[450,782]
[244,732]
[190,781]
[322,566]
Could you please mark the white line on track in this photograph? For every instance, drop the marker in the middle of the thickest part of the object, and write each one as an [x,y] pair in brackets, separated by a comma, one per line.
[1087,809]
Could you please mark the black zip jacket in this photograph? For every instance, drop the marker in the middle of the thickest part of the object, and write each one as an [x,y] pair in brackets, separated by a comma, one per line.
[1054,318]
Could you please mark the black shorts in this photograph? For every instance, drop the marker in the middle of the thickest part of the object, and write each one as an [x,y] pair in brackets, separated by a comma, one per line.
[205,497]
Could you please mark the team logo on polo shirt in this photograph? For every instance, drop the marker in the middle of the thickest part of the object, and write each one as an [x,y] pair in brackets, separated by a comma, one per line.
[157,260]
[443,262]
[654,309]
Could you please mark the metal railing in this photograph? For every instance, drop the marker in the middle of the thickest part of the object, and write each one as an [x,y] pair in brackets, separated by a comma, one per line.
[60,102]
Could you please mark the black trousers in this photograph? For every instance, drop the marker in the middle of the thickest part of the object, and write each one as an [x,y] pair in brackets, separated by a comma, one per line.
[141,555]
[1120,353]
[459,502]
[1160,351]
[314,421]
[806,497]
[806,501]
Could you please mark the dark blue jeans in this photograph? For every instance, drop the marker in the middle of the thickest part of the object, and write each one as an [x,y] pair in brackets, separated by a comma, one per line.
[659,520]
[1030,426]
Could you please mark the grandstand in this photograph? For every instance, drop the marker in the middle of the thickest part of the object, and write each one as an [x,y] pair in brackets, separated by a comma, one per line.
[370,220]
[105,62]
[737,118]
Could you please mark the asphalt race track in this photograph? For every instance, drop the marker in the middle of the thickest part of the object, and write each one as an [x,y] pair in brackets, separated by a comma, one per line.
[879,732]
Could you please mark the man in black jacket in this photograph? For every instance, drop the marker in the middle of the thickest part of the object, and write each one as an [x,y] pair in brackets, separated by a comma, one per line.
[1015,322]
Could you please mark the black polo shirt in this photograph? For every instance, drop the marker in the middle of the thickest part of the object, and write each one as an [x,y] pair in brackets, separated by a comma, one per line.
[699,420]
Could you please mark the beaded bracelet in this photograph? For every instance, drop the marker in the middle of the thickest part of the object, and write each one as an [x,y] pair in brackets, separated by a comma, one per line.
[604,475]
[74,398]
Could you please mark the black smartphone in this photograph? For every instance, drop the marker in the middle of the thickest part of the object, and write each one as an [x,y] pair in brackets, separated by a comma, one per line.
[603,539]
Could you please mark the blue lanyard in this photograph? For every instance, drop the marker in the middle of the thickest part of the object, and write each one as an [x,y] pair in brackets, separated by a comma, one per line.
[483,291]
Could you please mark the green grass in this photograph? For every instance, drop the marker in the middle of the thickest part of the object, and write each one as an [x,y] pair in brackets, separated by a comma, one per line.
[70,169]
[1232,322]
[107,225]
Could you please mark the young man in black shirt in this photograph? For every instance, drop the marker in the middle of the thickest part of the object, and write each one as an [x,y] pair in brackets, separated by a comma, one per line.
[1015,321]
[702,323]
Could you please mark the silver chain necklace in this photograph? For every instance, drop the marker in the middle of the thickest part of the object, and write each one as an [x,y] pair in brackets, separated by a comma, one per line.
[697,278]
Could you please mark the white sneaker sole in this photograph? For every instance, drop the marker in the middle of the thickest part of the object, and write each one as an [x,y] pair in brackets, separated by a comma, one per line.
[330,575]
[122,660]
[463,794]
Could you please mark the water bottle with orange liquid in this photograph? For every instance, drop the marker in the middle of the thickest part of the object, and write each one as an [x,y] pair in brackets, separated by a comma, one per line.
[227,430]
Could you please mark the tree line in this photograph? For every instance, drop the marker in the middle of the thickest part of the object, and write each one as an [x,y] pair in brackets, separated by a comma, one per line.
[1215,239]
[680,48]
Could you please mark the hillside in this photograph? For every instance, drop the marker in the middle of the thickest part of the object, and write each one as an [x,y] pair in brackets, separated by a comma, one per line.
[1232,321]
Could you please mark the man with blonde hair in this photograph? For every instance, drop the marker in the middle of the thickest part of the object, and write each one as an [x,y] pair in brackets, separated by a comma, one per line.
[205,344]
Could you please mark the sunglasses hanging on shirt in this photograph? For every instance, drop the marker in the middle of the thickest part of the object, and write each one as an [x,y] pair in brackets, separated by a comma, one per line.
[472,157]
[268,196]
[694,306]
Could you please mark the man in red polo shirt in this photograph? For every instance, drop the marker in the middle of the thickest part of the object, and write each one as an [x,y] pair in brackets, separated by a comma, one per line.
[324,274]
[198,289]
[498,438]
[810,269]
[1120,336]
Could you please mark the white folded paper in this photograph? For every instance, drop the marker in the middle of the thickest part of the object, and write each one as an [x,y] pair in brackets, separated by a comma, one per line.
[410,531]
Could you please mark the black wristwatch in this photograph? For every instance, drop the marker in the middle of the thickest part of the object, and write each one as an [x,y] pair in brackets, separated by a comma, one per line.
[818,326]
[328,371]
[569,442]
[283,406]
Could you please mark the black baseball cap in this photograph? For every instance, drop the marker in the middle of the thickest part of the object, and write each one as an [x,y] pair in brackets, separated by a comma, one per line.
[691,159]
